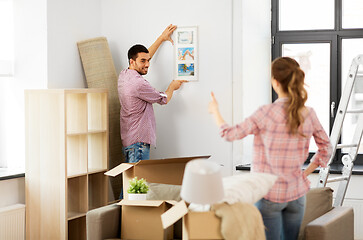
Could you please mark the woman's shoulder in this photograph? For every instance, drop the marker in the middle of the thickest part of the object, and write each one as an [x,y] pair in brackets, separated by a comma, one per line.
[262,111]
[266,107]
[308,112]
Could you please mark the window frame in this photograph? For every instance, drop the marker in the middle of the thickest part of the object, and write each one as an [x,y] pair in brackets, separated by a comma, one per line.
[332,36]
[8,64]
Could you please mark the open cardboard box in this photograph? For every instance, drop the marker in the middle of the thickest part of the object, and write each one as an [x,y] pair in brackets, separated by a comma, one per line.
[141,219]
[165,171]
[196,225]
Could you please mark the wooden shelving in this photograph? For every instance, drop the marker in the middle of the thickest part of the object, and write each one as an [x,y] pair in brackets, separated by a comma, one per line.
[97,190]
[76,228]
[66,158]
[76,154]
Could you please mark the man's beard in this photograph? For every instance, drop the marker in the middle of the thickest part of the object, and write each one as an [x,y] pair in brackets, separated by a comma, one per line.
[142,72]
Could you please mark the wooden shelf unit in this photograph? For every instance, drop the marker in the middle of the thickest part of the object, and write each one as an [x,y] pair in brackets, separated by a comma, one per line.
[66,158]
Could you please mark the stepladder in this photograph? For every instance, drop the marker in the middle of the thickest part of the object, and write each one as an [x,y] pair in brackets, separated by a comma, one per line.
[351,149]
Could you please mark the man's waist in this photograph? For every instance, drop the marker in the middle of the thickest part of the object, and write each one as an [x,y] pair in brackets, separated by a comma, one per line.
[140,144]
[127,141]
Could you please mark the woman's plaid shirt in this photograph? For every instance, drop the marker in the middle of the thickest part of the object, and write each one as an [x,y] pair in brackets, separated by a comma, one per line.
[278,152]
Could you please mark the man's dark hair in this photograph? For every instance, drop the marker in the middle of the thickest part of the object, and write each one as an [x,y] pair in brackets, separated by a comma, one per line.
[134,50]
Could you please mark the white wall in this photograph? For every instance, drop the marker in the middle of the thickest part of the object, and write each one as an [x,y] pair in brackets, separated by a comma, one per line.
[68,23]
[184,126]
[30,72]
[30,43]
[251,61]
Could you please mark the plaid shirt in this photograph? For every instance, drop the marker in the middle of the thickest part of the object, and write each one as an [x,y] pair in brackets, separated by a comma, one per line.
[280,153]
[137,120]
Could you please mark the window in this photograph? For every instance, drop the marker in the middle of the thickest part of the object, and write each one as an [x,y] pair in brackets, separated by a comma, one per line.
[6,38]
[324,37]
[293,15]
[11,99]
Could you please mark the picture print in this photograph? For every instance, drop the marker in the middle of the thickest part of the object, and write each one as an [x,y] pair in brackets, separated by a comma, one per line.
[185,69]
[186,53]
[185,37]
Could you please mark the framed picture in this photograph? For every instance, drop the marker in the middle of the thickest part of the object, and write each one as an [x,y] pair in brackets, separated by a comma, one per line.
[186,53]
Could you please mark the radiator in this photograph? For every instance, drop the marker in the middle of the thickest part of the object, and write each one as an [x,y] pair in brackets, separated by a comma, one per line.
[12,222]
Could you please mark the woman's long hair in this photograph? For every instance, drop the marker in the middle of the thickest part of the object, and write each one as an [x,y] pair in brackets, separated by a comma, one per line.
[289,74]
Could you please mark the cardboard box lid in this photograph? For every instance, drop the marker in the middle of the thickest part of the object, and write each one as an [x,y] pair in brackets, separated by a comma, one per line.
[145,203]
[125,166]
[119,169]
[175,213]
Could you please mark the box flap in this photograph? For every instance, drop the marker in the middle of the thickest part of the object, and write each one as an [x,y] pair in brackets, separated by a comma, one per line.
[119,169]
[165,171]
[143,203]
[174,214]
[170,160]
[171,202]
[125,166]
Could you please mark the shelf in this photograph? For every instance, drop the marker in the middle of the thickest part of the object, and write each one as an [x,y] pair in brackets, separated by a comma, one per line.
[77,229]
[76,112]
[76,155]
[97,150]
[97,111]
[96,170]
[76,175]
[67,134]
[77,195]
[97,190]
[96,131]
[70,134]
[74,215]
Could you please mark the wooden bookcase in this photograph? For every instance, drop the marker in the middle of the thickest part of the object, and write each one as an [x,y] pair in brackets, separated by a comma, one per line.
[66,158]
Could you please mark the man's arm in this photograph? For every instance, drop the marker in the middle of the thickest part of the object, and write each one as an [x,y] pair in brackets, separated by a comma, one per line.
[174,85]
[165,36]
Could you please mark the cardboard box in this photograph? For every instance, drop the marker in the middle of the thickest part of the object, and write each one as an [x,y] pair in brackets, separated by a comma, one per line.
[166,171]
[196,225]
[141,220]
[140,217]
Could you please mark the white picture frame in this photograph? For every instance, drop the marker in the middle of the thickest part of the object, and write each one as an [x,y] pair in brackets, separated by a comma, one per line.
[186,53]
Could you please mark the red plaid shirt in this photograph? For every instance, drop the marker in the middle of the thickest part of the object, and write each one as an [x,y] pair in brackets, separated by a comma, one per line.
[137,120]
[280,153]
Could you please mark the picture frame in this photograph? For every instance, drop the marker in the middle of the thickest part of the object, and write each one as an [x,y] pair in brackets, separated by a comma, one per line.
[186,53]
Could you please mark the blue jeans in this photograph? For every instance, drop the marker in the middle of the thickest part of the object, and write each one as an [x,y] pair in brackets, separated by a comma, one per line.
[134,153]
[282,220]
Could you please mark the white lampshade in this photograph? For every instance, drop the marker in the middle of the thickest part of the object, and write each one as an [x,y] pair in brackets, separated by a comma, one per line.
[202,182]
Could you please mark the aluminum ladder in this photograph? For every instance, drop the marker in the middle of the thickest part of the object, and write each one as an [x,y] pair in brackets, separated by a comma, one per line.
[349,158]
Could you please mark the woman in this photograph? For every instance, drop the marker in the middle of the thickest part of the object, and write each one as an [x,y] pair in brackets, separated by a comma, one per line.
[282,132]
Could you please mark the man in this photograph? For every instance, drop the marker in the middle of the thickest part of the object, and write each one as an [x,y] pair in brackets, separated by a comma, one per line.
[136,95]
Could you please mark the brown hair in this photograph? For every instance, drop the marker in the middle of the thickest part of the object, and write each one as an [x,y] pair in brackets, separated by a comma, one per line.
[289,74]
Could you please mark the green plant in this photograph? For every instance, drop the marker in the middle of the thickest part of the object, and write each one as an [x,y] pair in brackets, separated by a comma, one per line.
[138,186]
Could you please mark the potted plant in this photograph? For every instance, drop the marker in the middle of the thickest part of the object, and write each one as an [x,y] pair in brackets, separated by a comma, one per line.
[138,189]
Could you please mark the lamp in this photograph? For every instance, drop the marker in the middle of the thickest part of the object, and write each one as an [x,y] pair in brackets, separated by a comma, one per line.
[202,182]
